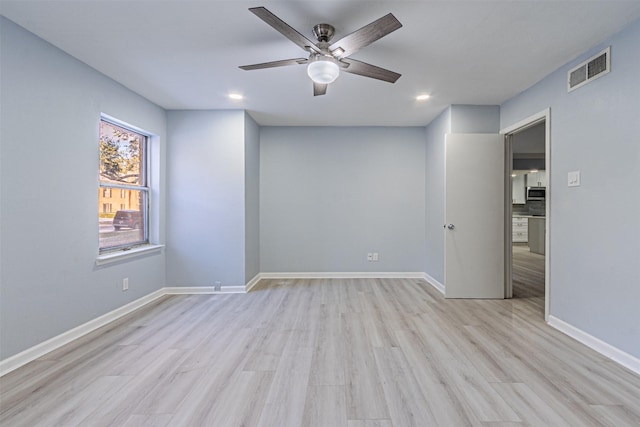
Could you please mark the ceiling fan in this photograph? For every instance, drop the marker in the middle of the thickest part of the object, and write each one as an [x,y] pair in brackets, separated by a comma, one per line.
[327,59]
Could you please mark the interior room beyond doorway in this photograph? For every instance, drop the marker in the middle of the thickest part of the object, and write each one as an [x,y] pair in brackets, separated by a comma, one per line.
[529,183]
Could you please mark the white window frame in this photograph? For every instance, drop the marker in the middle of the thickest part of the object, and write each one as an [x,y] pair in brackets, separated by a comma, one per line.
[108,252]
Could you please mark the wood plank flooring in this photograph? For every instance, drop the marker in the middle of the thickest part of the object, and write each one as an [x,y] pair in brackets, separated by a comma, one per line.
[348,352]
[528,273]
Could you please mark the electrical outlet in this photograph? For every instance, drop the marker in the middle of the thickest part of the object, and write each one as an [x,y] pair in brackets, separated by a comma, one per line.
[125,284]
[369,257]
[375,256]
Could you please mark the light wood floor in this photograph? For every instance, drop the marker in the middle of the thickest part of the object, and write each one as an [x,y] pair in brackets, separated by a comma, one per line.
[355,353]
[528,276]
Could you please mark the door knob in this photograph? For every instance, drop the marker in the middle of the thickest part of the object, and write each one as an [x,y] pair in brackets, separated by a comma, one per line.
[451,226]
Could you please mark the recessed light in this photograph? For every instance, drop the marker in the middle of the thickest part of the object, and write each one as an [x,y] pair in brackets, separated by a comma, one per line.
[235,96]
[422,97]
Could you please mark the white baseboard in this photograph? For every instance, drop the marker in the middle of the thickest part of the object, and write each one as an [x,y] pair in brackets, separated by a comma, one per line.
[39,350]
[199,290]
[233,290]
[625,359]
[189,290]
[433,282]
[343,275]
[251,283]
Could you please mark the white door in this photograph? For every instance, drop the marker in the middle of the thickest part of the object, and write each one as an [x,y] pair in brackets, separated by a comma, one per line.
[474,215]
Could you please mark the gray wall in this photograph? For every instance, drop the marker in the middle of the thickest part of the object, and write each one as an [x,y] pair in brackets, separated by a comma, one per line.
[595,228]
[252,197]
[329,196]
[51,105]
[475,119]
[206,198]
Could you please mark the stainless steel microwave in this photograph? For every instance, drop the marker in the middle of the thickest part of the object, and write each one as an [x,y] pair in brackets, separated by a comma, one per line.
[536,193]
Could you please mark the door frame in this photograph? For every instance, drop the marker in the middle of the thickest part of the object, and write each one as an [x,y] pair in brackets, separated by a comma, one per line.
[544,115]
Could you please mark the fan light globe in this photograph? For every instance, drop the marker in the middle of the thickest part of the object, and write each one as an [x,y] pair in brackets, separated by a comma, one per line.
[323,71]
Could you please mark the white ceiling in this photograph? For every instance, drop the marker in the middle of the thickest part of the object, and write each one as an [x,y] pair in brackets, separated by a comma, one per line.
[185,54]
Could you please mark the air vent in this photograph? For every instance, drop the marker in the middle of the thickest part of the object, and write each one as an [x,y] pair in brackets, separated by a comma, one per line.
[591,69]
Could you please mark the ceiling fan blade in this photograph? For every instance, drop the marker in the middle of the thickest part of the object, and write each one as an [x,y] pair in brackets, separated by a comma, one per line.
[284,29]
[368,70]
[366,35]
[272,64]
[319,89]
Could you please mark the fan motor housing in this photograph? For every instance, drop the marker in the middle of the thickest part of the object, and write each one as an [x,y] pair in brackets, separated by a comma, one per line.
[323,32]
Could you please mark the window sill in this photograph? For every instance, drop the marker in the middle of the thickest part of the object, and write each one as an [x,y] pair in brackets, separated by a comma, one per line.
[124,255]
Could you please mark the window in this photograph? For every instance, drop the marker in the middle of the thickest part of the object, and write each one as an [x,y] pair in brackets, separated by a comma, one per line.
[123,167]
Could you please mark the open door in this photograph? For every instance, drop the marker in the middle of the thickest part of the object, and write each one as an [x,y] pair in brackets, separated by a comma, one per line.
[474,215]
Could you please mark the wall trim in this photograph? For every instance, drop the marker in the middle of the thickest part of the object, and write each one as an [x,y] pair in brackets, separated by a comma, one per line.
[122,255]
[343,275]
[251,283]
[39,350]
[433,282]
[233,290]
[625,359]
[544,115]
[187,290]
[198,290]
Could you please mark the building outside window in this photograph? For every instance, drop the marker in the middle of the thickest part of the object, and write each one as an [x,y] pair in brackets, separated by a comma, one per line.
[123,167]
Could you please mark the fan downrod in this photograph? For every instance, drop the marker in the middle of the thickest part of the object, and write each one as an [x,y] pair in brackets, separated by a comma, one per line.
[323,32]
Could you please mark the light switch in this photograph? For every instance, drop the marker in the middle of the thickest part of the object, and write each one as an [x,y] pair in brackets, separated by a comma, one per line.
[573,179]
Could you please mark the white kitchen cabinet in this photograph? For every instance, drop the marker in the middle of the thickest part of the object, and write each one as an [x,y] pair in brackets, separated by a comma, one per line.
[519,230]
[536,235]
[537,179]
[542,178]
[518,190]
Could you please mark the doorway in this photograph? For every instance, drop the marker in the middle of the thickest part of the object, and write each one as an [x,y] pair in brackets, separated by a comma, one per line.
[527,211]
